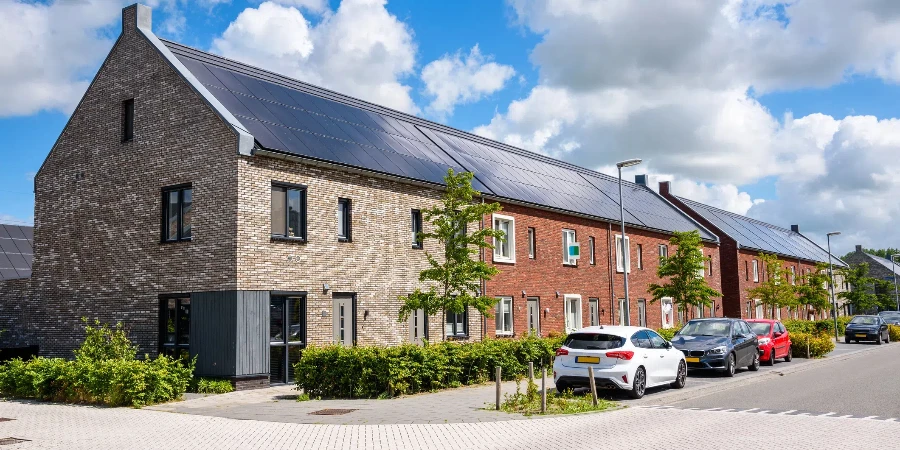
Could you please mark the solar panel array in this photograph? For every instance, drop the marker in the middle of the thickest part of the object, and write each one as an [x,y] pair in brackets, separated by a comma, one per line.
[885,262]
[761,236]
[16,254]
[293,117]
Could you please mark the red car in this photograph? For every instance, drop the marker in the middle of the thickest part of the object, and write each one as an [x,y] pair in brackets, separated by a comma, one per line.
[774,340]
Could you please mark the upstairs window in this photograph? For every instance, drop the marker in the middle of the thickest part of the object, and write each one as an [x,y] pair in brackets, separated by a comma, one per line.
[532,243]
[640,257]
[568,239]
[128,120]
[505,248]
[416,228]
[793,275]
[591,244]
[623,260]
[344,220]
[288,211]
[663,252]
[755,271]
[177,205]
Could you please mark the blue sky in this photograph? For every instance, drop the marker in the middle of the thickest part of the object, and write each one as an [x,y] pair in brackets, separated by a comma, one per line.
[570,83]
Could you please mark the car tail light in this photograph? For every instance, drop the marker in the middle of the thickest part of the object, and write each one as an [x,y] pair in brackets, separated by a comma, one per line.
[621,354]
[562,352]
[625,378]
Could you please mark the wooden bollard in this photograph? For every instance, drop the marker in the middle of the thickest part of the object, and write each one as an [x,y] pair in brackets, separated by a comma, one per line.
[593,385]
[543,390]
[498,387]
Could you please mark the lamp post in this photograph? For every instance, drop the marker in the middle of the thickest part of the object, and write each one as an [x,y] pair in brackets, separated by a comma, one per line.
[894,269]
[831,284]
[623,249]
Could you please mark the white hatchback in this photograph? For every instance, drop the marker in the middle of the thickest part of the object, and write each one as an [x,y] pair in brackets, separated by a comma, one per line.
[628,358]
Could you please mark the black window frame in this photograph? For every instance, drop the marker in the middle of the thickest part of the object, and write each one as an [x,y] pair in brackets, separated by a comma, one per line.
[173,350]
[465,322]
[285,342]
[347,219]
[128,120]
[303,216]
[416,228]
[164,223]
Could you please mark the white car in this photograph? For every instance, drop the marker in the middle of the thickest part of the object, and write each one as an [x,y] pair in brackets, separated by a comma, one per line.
[628,358]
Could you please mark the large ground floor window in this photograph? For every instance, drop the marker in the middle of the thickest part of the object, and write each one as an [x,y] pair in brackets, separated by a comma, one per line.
[175,325]
[287,334]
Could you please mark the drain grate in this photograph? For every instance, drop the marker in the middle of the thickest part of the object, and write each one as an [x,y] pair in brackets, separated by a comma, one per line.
[331,412]
[5,419]
[12,440]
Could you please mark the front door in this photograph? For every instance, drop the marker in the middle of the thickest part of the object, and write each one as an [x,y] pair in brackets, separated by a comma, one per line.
[287,335]
[418,327]
[534,316]
[343,320]
[594,311]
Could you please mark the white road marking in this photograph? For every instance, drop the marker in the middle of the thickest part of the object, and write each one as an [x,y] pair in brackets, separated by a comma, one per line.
[787,412]
[864,418]
[746,410]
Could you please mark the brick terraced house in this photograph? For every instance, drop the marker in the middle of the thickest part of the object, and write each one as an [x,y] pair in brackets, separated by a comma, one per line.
[880,268]
[742,240]
[228,212]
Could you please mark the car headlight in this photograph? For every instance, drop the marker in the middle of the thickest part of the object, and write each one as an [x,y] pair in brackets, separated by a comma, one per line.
[764,341]
[716,351]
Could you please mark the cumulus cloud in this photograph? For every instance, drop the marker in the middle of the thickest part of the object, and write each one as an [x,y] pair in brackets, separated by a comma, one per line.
[360,49]
[459,79]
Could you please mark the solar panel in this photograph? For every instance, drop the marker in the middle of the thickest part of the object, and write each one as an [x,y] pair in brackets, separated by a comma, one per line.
[16,254]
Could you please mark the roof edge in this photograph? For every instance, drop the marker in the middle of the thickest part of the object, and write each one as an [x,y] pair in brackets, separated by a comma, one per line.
[687,216]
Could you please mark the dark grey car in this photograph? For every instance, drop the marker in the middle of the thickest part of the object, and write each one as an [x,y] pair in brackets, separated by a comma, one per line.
[890,317]
[718,343]
[867,328]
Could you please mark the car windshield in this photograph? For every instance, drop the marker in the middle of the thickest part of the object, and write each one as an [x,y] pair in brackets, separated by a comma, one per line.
[760,328]
[593,341]
[864,320]
[891,317]
[706,328]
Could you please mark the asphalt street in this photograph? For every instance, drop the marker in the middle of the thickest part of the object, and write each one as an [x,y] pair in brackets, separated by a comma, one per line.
[861,385]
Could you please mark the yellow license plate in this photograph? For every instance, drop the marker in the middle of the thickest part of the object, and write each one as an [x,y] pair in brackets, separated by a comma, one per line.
[587,359]
[692,359]
[860,335]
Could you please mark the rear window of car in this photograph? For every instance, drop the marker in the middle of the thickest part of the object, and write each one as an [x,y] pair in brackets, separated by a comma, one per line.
[864,320]
[593,341]
[760,328]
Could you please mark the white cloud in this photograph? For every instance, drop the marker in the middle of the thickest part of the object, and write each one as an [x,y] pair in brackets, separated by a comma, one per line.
[459,79]
[50,52]
[360,49]
[8,219]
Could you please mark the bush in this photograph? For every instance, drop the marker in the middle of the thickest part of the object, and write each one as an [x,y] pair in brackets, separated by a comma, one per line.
[211,386]
[824,326]
[104,371]
[668,333]
[819,345]
[372,372]
[894,331]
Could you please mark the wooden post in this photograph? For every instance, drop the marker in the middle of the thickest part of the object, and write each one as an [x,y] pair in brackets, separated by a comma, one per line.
[807,349]
[593,385]
[530,372]
[498,387]
[543,389]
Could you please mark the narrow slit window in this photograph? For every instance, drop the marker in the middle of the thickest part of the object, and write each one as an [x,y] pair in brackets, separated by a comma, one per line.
[344,219]
[416,228]
[531,243]
[128,120]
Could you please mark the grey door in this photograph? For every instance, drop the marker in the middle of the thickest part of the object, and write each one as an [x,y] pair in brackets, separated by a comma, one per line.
[534,316]
[344,323]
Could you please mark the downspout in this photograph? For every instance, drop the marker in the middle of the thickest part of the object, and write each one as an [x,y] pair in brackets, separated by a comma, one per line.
[483,282]
[612,286]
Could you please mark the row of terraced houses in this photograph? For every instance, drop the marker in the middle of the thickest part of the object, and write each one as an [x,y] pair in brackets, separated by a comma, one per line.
[224,211]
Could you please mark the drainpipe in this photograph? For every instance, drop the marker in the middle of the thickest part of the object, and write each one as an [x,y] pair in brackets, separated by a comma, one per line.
[612,286]
[483,282]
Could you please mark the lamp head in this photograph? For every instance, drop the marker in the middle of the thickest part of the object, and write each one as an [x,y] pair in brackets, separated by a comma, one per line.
[628,162]
[834,233]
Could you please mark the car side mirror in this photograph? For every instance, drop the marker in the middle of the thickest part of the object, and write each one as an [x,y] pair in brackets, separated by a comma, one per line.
[777,334]
[668,344]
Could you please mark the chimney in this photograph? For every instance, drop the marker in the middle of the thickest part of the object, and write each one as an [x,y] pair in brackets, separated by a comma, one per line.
[859,249]
[795,228]
[640,179]
[136,16]
[664,188]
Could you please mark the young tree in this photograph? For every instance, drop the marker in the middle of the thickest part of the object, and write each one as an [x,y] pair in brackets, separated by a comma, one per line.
[884,292]
[813,290]
[861,294]
[454,280]
[776,290]
[681,271]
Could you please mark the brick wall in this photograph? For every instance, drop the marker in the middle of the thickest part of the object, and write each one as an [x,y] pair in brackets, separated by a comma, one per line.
[13,313]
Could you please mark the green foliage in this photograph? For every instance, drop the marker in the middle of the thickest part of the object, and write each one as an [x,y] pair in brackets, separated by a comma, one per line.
[211,386]
[894,332]
[884,294]
[819,345]
[668,333]
[884,252]
[775,290]
[105,371]
[811,290]
[824,327]
[680,270]
[372,372]
[455,278]
[529,402]
[861,294]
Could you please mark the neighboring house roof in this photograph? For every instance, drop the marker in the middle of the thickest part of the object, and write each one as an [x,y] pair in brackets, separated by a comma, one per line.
[884,262]
[16,252]
[289,117]
[765,237]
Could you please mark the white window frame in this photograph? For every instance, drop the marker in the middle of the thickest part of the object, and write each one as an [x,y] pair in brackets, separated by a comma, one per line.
[620,265]
[755,271]
[565,244]
[591,245]
[510,239]
[503,328]
[639,250]
[578,319]
[793,276]
[668,317]
[532,243]
[663,251]
[621,315]
[759,309]
[642,312]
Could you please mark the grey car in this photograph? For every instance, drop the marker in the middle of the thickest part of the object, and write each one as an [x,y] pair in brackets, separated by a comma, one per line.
[718,344]
[867,328]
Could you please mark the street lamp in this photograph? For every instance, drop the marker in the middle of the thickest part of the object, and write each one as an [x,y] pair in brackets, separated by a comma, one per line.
[894,269]
[831,284]
[625,258]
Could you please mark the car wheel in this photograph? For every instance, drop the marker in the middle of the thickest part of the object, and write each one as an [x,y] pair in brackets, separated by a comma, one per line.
[887,338]
[771,361]
[681,378]
[755,366]
[639,385]
[789,356]
[878,340]
[848,340]
[562,387]
[729,365]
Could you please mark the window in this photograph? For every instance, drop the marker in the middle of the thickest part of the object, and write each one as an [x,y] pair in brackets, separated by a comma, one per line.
[505,247]
[759,309]
[288,211]
[656,340]
[594,311]
[457,324]
[128,120]
[642,312]
[746,271]
[534,315]
[620,262]
[698,312]
[591,243]
[568,239]
[175,326]
[572,305]
[418,327]
[532,245]
[287,335]
[623,317]
[344,219]
[668,313]
[793,275]
[711,265]
[640,256]
[177,205]
[641,340]
[663,252]
[755,271]
[503,316]
[416,228]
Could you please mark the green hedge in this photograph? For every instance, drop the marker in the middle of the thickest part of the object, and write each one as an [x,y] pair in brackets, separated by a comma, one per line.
[371,372]
[104,371]
[210,386]
[668,333]
[894,332]
[825,326]
[819,344]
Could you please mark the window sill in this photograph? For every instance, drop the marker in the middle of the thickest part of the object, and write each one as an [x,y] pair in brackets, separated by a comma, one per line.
[295,240]
[457,337]
[504,335]
[569,265]
[177,241]
[418,247]
[504,260]
[340,239]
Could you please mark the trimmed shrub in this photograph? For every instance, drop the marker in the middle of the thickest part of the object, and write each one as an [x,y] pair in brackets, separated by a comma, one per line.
[894,331]
[819,345]
[668,333]
[372,372]
[210,386]
[824,326]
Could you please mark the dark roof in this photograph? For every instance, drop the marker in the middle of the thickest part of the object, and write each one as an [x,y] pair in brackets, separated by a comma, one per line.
[885,262]
[294,118]
[761,236]
[16,252]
